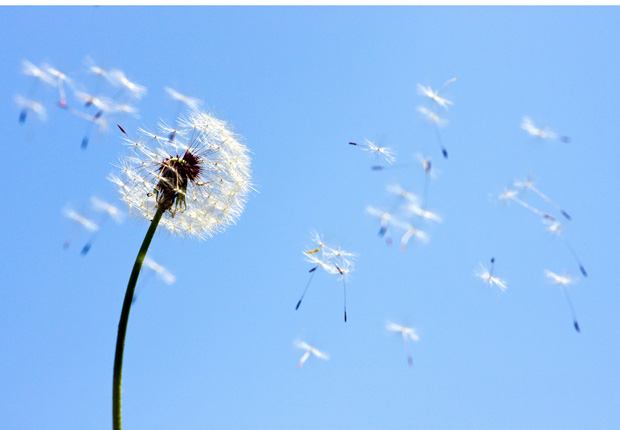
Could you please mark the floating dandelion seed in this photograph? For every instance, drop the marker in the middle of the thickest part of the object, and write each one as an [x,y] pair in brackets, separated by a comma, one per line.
[410,232]
[39,74]
[109,211]
[563,281]
[118,79]
[556,228]
[487,276]
[385,219]
[407,333]
[437,122]
[309,350]
[512,195]
[190,102]
[95,70]
[80,221]
[381,153]
[542,133]
[415,209]
[528,184]
[434,94]
[103,106]
[27,105]
[195,186]
[335,261]
[60,79]
[402,193]
[157,269]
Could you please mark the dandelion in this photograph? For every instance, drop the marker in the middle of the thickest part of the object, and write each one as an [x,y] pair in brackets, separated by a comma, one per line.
[487,276]
[563,281]
[28,105]
[335,261]
[195,186]
[542,133]
[528,184]
[381,153]
[407,333]
[309,350]
[557,228]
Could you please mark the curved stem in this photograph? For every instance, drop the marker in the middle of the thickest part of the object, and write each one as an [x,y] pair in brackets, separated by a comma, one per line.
[122,325]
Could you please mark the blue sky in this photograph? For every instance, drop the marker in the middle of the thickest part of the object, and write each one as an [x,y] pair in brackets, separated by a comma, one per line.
[215,350]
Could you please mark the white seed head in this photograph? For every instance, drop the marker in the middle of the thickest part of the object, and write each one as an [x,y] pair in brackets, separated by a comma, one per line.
[559,279]
[201,178]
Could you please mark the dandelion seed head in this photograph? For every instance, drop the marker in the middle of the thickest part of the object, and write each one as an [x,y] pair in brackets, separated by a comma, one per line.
[201,179]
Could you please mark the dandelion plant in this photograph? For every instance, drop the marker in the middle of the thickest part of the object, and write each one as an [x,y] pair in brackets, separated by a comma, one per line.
[195,185]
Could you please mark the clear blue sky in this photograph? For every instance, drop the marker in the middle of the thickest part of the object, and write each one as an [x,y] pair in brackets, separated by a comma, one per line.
[215,350]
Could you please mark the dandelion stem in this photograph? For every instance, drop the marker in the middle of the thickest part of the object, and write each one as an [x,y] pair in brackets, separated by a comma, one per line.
[122,325]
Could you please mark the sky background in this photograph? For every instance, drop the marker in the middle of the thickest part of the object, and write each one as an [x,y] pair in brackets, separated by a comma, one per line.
[215,349]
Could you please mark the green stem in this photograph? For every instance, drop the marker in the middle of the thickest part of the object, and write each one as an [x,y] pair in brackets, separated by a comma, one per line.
[122,325]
